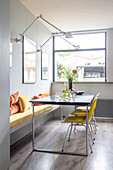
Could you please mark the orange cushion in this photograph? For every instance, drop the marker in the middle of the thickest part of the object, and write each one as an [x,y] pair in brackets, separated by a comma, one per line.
[38,97]
[14,109]
[16,96]
[24,103]
[46,94]
[14,103]
[12,100]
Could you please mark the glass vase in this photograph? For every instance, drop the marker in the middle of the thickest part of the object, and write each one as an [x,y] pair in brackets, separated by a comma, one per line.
[70,85]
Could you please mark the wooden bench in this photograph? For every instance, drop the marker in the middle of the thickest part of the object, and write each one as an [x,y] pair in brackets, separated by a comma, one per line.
[22,119]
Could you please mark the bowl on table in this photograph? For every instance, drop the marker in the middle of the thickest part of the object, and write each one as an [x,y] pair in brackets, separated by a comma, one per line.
[79,92]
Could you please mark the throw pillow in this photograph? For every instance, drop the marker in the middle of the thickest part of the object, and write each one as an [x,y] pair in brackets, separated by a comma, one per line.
[46,94]
[14,103]
[24,102]
[14,109]
[38,97]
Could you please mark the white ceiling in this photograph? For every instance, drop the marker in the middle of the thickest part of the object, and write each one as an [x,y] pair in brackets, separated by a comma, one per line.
[74,15]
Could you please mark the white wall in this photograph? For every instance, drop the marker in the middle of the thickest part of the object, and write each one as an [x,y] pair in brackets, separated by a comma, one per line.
[4,85]
[109,56]
[21,18]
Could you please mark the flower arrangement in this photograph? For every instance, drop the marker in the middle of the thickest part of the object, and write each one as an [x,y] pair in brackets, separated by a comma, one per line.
[69,73]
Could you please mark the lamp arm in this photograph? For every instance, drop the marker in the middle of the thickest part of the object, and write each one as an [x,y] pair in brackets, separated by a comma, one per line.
[41,16]
[51,24]
[60,31]
[29,26]
[67,41]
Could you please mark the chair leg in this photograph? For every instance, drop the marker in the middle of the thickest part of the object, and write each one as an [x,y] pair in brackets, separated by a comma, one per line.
[65,138]
[90,145]
[92,131]
[74,130]
[89,141]
[95,123]
[93,127]
[91,135]
[70,131]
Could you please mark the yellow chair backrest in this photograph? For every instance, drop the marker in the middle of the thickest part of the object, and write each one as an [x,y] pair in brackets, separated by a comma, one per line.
[93,107]
[97,95]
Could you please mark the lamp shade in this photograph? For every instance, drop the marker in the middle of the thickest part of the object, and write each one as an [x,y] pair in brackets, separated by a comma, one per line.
[68,35]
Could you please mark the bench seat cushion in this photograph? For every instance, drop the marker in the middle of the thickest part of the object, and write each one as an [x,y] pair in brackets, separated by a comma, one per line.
[41,109]
[21,117]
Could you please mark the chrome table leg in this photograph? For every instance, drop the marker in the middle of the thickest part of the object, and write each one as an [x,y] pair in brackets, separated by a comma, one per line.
[87,131]
[33,129]
[61,113]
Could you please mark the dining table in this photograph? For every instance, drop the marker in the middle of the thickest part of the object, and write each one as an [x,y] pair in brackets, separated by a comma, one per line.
[79,100]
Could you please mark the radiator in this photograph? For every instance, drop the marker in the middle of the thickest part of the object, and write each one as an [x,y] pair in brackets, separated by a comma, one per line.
[104,108]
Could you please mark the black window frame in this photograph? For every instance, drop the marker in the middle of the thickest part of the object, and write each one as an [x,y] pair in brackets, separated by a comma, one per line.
[75,50]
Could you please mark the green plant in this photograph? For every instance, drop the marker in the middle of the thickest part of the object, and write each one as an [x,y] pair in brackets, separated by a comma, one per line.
[69,73]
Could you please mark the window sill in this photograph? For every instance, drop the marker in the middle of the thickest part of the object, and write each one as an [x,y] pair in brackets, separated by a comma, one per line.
[58,82]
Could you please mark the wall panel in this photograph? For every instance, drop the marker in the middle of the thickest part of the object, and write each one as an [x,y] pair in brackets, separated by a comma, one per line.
[4,84]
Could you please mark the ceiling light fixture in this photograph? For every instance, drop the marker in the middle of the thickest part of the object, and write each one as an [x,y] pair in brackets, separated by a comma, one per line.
[60,33]
[68,35]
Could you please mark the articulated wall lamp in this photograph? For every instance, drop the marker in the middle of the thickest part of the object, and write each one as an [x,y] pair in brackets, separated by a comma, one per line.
[59,33]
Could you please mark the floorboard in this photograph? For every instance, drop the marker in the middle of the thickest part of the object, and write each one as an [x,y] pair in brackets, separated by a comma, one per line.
[50,136]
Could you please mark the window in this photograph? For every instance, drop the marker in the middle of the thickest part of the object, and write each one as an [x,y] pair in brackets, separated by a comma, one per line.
[89,60]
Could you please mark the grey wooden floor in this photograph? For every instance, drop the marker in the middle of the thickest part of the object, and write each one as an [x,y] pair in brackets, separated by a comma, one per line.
[51,135]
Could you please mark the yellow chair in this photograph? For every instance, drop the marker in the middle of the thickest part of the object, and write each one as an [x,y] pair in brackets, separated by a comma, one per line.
[81,111]
[80,120]
[83,108]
